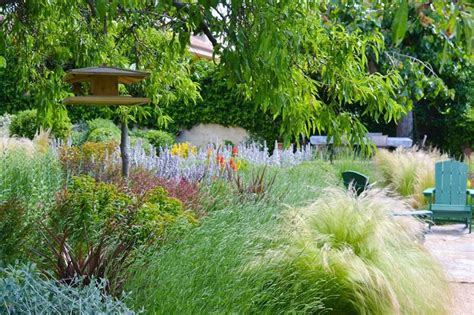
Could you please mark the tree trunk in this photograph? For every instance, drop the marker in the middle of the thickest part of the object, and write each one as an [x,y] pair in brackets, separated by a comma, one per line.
[405,126]
[124,149]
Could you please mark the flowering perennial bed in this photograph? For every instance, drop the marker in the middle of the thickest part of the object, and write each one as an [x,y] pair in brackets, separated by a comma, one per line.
[184,161]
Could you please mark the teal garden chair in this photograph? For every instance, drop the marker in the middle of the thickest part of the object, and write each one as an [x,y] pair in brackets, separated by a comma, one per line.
[359,181]
[450,200]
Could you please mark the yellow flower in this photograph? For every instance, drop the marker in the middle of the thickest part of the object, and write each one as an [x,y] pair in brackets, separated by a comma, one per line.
[174,149]
[183,149]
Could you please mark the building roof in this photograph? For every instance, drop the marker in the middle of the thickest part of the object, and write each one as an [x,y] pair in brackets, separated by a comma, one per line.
[201,47]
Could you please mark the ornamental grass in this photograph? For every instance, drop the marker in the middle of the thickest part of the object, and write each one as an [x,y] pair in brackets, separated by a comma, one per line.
[32,179]
[409,171]
[204,272]
[340,254]
[350,256]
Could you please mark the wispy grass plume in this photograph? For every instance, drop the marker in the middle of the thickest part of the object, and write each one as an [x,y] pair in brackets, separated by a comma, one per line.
[351,252]
[409,171]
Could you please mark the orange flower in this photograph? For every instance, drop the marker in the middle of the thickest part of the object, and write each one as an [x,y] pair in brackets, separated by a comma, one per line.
[209,153]
[233,165]
[221,160]
[235,151]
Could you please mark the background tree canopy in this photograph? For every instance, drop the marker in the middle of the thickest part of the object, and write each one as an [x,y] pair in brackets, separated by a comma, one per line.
[315,66]
[432,49]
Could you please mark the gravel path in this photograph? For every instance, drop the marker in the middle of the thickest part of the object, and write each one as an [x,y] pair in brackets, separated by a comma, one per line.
[454,249]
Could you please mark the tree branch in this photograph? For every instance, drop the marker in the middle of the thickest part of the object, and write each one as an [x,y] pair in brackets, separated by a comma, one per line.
[424,64]
[91,5]
[203,27]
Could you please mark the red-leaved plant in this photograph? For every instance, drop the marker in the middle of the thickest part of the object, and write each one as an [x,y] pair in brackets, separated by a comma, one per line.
[257,186]
[140,181]
[104,259]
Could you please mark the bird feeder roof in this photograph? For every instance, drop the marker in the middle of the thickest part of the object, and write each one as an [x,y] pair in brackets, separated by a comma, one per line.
[124,76]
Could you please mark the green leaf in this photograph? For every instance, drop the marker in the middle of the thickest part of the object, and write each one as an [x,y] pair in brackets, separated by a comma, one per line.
[3,62]
[444,56]
[399,24]
[451,28]
[468,31]
[101,7]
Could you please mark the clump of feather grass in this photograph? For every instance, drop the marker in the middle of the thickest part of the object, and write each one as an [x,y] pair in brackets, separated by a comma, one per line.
[14,144]
[360,259]
[39,144]
[409,171]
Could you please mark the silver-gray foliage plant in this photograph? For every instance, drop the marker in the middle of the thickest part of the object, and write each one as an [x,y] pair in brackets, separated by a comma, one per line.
[23,290]
[200,166]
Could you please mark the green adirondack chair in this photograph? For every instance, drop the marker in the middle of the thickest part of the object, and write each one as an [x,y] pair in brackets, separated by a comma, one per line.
[450,200]
[359,181]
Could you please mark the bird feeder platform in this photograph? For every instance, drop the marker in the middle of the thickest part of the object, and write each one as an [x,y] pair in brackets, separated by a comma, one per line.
[104,83]
[124,76]
[102,88]
[105,100]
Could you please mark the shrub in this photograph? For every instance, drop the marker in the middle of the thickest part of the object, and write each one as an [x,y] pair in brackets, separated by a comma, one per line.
[145,144]
[78,137]
[409,171]
[352,254]
[140,181]
[25,124]
[185,191]
[87,235]
[91,158]
[86,209]
[159,139]
[23,290]
[104,134]
[104,258]
[95,227]
[157,214]
[101,123]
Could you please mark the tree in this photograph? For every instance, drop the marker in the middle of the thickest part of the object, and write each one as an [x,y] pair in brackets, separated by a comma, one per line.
[430,43]
[289,57]
[41,40]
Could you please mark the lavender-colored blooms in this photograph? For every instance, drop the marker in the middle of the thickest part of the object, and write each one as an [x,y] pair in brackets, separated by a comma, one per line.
[200,166]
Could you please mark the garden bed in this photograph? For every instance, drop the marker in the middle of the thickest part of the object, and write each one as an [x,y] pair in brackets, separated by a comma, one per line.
[218,229]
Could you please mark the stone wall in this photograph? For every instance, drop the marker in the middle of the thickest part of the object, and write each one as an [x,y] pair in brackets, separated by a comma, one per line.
[203,134]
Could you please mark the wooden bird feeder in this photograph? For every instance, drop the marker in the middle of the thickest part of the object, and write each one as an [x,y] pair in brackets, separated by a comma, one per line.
[103,83]
[103,90]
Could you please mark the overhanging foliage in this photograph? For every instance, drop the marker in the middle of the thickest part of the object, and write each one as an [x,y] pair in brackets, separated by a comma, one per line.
[294,59]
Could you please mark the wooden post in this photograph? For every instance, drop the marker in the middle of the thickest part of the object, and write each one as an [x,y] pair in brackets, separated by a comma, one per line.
[124,149]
